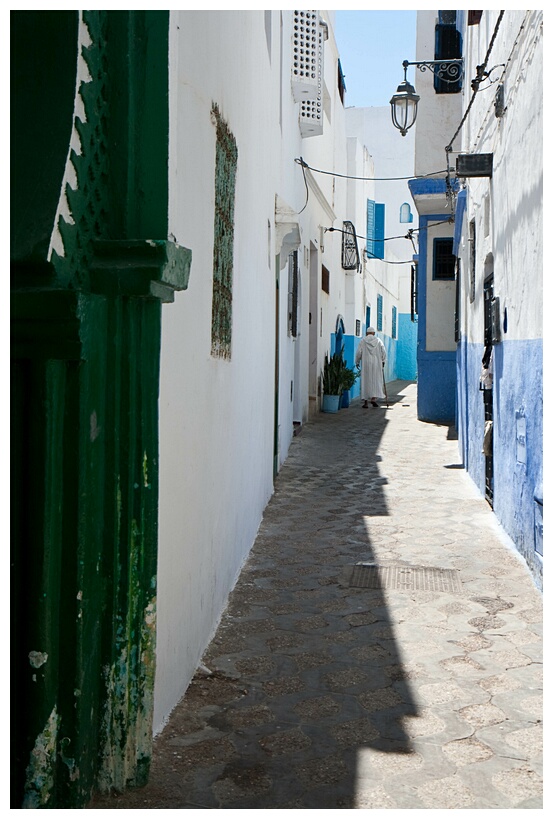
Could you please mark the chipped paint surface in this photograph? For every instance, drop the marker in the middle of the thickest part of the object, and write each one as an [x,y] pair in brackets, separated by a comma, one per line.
[94,428]
[125,757]
[37,658]
[67,760]
[39,780]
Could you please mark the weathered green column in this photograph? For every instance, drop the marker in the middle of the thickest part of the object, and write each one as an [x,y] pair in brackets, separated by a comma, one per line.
[86,328]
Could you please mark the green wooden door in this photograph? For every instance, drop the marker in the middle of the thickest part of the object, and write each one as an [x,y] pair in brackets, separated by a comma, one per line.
[86,324]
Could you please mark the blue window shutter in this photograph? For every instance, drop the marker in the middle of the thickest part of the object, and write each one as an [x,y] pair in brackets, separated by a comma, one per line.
[371,207]
[380,218]
[394,322]
[379,313]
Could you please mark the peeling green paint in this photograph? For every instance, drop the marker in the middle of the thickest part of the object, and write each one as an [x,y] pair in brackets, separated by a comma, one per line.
[37,658]
[40,775]
[145,470]
[125,756]
[69,761]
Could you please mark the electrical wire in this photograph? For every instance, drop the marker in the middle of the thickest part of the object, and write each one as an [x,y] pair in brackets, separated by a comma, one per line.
[475,83]
[409,236]
[481,74]
[390,238]
[306,189]
[304,165]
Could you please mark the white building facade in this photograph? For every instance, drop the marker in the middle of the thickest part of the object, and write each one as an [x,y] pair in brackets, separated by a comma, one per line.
[499,242]
[480,325]
[439,114]
[268,297]
[393,157]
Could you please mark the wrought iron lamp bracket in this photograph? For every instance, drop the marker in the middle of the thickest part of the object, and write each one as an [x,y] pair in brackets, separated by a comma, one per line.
[446,70]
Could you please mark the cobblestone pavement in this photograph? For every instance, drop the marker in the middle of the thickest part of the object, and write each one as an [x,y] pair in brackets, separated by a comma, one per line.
[411,681]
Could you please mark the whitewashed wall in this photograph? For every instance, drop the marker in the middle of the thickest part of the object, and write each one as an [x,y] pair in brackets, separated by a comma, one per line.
[394,161]
[440,299]
[507,210]
[217,417]
[439,115]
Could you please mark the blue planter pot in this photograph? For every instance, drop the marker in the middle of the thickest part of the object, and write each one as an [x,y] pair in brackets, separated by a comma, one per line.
[344,403]
[331,403]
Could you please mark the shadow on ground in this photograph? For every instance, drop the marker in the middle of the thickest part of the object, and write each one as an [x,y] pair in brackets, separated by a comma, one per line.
[304,670]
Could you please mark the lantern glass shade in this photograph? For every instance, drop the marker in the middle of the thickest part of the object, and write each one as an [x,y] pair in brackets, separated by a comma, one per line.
[404,107]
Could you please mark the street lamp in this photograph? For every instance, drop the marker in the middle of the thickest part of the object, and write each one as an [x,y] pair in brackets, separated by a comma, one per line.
[405,101]
[404,105]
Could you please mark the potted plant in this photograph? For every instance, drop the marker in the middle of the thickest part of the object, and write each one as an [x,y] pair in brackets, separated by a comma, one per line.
[332,380]
[349,377]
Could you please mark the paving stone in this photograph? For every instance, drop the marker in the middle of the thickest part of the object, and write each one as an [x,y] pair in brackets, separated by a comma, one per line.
[315,694]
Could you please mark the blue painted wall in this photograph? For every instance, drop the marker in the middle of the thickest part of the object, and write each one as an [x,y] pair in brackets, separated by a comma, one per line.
[518,413]
[436,371]
[437,382]
[390,368]
[350,347]
[406,359]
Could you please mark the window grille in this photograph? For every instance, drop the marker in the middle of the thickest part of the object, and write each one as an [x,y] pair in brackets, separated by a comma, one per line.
[226,160]
[379,313]
[325,279]
[293,294]
[394,322]
[472,241]
[357,327]
[350,251]
[444,260]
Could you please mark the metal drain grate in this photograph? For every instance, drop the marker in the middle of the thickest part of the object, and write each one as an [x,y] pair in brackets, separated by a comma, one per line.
[407,578]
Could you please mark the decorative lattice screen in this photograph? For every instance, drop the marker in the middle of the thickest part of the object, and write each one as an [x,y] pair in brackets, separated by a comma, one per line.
[226,161]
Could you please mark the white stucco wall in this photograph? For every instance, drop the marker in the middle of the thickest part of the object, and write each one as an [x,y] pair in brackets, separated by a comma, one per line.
[508,209]
[440,300]
[439,115]
[217,417]
[394,162]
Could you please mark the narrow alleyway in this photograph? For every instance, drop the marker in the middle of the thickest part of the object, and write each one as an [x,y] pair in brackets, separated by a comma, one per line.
[412,680]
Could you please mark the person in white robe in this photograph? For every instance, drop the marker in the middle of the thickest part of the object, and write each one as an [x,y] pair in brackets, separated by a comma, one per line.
[371,357]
